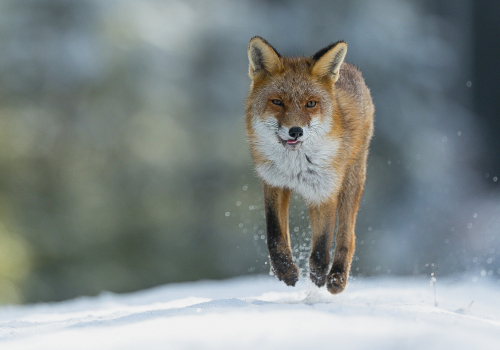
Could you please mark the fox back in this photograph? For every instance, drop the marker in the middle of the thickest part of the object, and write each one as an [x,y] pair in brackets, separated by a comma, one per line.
[309,122]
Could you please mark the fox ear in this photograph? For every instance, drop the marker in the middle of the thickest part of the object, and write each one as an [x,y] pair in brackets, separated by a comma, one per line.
[327,61]
[263,57]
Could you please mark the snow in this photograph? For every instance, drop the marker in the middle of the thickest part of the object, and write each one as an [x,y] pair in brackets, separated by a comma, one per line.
[260,312]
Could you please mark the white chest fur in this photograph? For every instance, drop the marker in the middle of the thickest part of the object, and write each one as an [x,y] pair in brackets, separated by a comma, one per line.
[307,170]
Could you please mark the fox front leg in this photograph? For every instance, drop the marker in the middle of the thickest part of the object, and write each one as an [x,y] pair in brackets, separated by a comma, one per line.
[278,237]
[322,225]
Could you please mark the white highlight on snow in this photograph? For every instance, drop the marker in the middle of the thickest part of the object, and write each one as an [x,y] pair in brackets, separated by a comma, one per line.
[262,313]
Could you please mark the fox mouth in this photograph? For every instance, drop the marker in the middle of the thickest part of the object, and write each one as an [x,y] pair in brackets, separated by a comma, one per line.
[291,144]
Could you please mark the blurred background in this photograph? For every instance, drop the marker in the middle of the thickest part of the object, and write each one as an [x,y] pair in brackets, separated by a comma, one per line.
[124,163]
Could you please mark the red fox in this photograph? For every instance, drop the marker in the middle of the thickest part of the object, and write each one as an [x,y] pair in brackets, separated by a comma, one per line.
[309,122]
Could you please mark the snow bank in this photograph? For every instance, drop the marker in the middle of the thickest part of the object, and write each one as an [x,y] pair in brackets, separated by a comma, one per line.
[262,313]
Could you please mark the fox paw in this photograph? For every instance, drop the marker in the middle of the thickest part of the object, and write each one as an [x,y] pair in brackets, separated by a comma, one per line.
[336,282]
[286,272]
[318,273]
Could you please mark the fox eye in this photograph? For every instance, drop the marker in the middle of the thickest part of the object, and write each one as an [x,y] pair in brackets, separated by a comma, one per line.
[277,102]
[310,104]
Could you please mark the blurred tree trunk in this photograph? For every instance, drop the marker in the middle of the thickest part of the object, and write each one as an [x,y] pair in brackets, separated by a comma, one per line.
[486,83]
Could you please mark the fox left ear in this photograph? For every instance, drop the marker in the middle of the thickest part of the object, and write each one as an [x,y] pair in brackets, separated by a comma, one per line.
[327,61]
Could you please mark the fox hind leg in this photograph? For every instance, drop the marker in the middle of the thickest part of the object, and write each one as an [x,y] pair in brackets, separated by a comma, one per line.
[278,235]
[348,199]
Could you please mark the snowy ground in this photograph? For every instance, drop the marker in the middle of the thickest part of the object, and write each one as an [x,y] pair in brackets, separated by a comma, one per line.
[262,313]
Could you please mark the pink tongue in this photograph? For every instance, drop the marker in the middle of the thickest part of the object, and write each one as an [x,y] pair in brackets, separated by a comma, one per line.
[291,142]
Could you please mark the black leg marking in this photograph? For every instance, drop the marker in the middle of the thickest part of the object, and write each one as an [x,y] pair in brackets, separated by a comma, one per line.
[281,256]
[319,260]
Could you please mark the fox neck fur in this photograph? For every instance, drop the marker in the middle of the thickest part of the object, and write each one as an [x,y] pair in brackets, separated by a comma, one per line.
[306,170]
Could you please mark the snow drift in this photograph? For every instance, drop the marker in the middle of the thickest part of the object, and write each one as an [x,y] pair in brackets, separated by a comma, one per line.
[262,313]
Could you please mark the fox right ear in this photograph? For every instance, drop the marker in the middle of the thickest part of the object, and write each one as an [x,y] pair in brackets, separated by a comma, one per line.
[328,60]
[263,57]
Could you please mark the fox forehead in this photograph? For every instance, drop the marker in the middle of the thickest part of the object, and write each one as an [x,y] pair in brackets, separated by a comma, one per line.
[291,88]
[294,80]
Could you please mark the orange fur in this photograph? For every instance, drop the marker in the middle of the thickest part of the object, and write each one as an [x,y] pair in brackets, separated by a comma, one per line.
[323,157]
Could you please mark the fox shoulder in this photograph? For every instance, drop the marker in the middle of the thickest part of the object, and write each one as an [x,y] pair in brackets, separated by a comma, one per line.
[352,85]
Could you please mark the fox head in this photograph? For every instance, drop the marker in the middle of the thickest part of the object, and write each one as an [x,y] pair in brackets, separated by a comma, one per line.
[292,100]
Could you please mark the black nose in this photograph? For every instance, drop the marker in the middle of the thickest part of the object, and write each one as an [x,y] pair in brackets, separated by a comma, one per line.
[295,132]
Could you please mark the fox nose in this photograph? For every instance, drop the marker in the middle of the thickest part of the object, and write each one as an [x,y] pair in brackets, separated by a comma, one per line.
[295,132]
